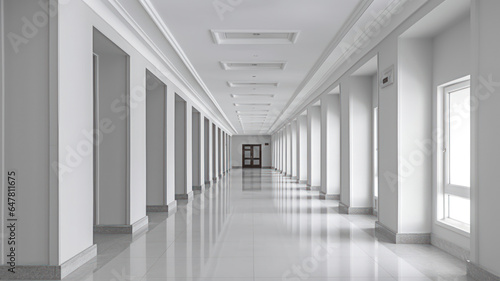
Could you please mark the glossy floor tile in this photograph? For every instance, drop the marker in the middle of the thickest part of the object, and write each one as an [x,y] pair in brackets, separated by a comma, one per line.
[258,225]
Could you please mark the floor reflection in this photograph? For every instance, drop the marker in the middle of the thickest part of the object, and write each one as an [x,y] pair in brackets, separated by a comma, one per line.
[258,225]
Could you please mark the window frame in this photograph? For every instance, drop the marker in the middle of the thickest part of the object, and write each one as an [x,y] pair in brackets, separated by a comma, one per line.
[447,187]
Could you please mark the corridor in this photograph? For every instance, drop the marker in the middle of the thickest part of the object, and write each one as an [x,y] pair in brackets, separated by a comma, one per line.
[258,225]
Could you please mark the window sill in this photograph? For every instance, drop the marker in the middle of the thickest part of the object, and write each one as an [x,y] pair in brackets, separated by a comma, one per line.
[455,226]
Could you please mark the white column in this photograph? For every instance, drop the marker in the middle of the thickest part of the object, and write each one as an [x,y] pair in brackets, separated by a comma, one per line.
[183,150]
[289,150]
[208,152]
[293,135]
[220,152]
[302,149]
[215,150]
[314,147]
[485,252]
[198,151]
[330,147]
[357,184]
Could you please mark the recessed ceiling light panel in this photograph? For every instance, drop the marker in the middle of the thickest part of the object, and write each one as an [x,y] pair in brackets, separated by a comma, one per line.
[235,84]
[252,96]
[252,65]
[254,37]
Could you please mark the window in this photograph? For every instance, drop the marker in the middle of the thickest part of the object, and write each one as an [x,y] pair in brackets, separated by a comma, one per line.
[457,151]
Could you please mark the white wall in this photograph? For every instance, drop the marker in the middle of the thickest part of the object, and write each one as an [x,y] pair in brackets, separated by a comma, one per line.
[237,142]
[486,152]
[449,64]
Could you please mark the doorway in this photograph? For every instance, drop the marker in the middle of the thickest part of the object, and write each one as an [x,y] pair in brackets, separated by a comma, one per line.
[252,156]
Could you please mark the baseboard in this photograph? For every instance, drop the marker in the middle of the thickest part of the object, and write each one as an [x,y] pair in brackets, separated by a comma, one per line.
[451,248]
[479,273]
[302,181]
[344,209]
[188,197]
[375,212]
[208,183]
[122,229]
[48,272]
[402,238]
[313,188]
[199,189]
[267,167]
[157,208]
[214,180]
[324,196]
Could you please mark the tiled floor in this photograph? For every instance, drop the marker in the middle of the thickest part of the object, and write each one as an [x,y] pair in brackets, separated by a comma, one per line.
[258,225]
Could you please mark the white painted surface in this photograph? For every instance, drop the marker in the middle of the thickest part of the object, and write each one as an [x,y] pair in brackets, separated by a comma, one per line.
[485,246]
[293,134]
[314,146]
[302,147]
[237,143]
[330,144]
[415,127]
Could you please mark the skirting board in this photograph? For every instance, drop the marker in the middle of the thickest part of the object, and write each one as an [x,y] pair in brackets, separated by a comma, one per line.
[402,238]
[324,196]
[170,208]
[122,229]
[344,209]
[199,189]
[450,248]
[479,273]
[188,197]
[49,272]
[302,181]
[313,188]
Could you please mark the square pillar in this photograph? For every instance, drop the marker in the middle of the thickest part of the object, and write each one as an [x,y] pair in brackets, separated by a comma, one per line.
[330,147]
[183,150]
[302,149]
[314,147]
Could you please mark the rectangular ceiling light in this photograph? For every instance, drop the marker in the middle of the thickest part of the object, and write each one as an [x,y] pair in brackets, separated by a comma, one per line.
[260,111]
[254,37]
[236,96]
[252,104]
[252,84]
[252,65]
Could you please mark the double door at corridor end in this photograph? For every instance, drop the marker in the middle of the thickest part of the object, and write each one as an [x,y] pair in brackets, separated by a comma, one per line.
[252,156]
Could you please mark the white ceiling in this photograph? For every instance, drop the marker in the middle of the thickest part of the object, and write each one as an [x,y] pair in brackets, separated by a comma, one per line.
[191,22]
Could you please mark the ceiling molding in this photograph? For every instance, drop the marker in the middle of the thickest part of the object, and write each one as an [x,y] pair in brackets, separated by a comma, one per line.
[313,95]
[153,14]
[107,15]
[353,18]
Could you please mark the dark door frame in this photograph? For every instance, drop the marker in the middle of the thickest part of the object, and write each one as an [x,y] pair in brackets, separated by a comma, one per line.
[251,155]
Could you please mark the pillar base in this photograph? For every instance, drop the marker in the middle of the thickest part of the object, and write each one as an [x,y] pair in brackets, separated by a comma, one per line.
[402,238]
[199,189]
[122,229]
[344,209]
[170,208]
[479,273]
[324,196]
[49,272]
[189,197]
[214,180]
[313,188]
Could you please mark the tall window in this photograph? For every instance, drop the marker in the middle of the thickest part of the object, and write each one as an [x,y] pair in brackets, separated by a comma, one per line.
[457,151]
